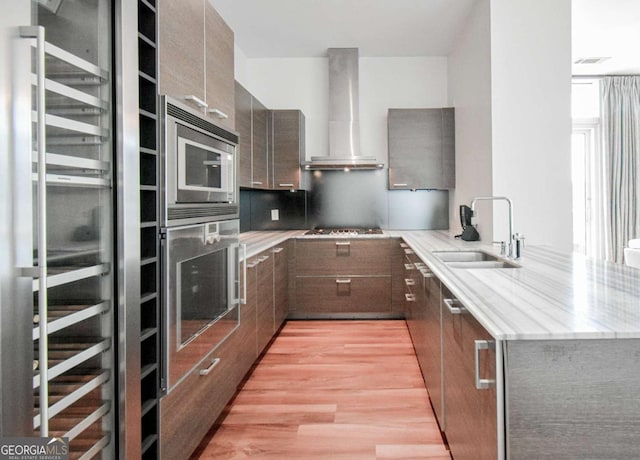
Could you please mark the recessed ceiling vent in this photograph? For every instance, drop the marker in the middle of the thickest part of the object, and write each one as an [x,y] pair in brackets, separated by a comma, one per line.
[591,60]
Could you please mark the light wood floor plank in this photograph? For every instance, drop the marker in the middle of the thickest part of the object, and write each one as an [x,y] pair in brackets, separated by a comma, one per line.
[331,390]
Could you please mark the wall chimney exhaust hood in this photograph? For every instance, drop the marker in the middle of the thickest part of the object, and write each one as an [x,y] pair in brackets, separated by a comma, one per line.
[344,125]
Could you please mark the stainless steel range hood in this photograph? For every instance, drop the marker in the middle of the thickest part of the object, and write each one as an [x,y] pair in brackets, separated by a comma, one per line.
[344,125]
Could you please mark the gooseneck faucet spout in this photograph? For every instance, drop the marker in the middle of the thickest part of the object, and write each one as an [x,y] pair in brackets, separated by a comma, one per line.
[512,249]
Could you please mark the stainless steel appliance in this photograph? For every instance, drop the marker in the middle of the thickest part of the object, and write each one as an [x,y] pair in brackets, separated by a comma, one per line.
[344,231]
[201,293]
[199,167]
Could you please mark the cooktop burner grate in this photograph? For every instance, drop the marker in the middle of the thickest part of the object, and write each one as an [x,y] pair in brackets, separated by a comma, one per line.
[344,231]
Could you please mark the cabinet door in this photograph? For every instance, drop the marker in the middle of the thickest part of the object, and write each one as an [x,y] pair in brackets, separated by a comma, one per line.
[259,155]
[194,404]
[281,283]
[417,146]
[287,145]
[431,363]
[343,295]
[343,257]
[181,48]
[471,413]
[219,66]
[243,127]
[247,332]
[264,303]
[448,148]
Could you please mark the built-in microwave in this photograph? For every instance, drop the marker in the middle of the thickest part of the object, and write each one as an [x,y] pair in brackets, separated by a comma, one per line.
[199,163]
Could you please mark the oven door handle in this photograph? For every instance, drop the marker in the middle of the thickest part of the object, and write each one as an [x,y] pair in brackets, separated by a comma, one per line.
[243,299]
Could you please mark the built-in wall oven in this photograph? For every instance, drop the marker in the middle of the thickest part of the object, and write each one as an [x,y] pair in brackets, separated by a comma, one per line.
[199,167]
[200,239]
[201,294]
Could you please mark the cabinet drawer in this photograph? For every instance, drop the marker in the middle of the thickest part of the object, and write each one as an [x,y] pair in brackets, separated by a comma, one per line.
[190,409]
[344,294]
[343,257]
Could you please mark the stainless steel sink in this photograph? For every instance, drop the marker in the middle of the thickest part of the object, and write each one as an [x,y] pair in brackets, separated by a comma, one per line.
[464,256]
[472,259]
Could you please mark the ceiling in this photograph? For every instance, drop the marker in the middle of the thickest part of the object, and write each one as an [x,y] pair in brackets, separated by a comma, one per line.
[606,28]
[306,28]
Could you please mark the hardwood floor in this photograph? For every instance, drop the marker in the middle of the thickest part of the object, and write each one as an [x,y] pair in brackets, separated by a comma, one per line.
[331,390]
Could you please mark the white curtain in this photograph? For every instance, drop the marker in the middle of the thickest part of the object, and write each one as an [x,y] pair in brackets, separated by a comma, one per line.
[620,102]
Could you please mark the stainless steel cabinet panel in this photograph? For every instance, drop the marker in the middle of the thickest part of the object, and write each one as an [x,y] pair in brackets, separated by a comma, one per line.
[421,148]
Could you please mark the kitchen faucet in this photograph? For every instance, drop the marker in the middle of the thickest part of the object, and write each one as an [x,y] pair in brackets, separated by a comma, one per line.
[514,249]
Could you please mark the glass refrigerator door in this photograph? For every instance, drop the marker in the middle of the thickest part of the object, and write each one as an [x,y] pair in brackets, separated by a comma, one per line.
[73,294]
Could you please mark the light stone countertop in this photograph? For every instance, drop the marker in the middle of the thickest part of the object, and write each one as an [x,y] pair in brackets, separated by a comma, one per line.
[553,295]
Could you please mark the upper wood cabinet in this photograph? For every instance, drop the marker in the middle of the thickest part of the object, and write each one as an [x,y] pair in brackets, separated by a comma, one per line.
[287,147]
[259,145]
[243,127]
[195,49]
[421,148]
[271,144]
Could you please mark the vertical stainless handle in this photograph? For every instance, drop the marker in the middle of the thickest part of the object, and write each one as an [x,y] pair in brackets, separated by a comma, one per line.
[454,310]
[210,367]
[37,32]
[483,384]
[243,300]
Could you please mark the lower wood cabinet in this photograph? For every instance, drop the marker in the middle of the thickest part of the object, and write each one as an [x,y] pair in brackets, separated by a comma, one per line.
[187,413]
[264,302]
[280,283]
[343,295]
[470,384]
[343,277]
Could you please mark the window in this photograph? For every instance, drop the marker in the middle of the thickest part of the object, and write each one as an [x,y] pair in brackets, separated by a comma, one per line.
[586,171]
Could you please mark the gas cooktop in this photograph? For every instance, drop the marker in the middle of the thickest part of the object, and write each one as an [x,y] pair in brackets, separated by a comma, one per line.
[344,231]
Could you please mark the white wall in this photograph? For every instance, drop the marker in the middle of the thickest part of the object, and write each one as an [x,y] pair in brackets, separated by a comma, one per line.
[531,117]
[384,83]
[470,94]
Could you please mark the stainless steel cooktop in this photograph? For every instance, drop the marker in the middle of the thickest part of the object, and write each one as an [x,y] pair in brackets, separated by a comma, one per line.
[344,231]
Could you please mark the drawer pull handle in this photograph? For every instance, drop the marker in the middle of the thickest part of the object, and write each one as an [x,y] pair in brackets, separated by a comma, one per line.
[403,245]
[277,250]
[409,267]
[410,297]
[409,282]
[409,251]
[285,185]
[454,307]
[347,281]
[199,102]
[343,243]
[263,258]
[256,182]
[426,273]
[210,367]
[399,185]
[218,113]
[483,384]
